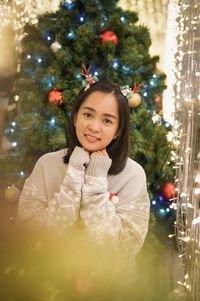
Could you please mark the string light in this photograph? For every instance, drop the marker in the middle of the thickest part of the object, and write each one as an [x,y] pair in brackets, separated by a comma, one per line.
[14,144]
[21,12]
[16,98]
[115,63]
[186,132]
[16,15]
[52,121]
[82,19]
[71,35]
[123,19]
[39,60]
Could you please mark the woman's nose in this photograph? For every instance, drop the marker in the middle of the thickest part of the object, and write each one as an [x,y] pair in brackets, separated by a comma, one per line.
[94,126]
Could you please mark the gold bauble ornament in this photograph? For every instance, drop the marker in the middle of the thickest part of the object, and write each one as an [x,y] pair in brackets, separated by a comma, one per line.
[135,100]
[12,193]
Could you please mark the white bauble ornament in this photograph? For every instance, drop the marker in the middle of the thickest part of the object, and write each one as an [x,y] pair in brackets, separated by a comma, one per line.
[157,119]
[55,46]
[12,193]
[135,100]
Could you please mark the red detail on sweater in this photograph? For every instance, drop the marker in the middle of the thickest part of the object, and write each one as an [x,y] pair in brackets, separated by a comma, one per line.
[111,195]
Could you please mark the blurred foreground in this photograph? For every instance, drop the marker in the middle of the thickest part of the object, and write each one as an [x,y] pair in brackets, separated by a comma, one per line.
[41,266]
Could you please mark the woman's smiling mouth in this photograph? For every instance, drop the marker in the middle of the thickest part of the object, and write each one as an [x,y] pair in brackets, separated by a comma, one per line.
[91,138]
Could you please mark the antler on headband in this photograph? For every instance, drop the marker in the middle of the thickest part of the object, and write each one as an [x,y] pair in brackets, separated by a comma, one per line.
[89,78]
[128,92]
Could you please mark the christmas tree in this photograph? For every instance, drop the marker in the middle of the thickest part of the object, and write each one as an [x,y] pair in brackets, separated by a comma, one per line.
[106,38]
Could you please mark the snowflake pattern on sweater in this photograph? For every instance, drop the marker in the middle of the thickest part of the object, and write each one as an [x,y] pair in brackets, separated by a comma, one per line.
[57,195]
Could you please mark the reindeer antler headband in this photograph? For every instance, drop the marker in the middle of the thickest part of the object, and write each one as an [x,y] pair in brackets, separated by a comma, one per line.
[89,78]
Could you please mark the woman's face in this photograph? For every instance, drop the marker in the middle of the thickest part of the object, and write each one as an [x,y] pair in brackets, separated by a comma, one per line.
[97,121]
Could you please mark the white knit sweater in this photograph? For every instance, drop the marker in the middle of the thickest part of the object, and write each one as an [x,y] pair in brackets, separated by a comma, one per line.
[57,195]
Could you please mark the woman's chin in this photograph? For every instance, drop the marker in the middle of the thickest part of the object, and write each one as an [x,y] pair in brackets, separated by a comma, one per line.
[91,149]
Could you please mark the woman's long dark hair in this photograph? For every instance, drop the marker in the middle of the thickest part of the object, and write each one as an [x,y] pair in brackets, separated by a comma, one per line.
[118,148]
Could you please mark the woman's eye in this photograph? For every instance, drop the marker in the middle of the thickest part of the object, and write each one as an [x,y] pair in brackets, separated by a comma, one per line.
[88,115]
[107,121]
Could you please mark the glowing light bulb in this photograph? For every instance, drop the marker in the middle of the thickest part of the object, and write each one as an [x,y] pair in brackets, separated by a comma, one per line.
[14,144]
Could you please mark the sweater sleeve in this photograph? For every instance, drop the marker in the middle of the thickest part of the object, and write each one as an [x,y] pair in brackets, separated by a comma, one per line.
[123,224]
[62,210]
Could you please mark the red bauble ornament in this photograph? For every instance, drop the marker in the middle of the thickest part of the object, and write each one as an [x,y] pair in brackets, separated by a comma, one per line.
[168,190]
[158,98]
[109,36]
[55,96]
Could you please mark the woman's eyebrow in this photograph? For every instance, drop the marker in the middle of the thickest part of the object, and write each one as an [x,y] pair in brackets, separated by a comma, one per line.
[110,115]
[89,108]
[105,114]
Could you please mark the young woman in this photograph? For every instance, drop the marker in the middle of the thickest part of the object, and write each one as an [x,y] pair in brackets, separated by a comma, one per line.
[93,180]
